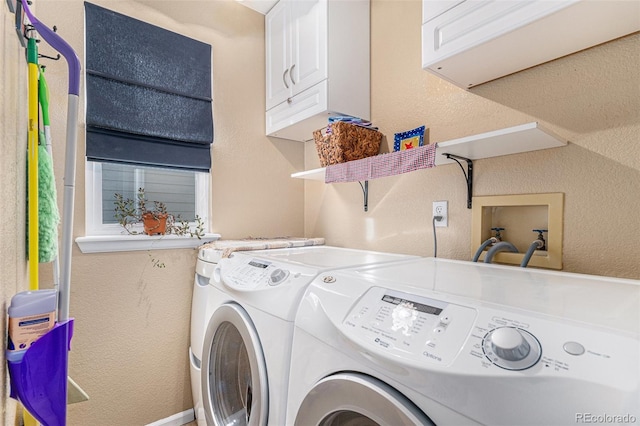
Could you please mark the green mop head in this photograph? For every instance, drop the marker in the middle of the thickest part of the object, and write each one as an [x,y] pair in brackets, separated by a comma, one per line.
[48,216]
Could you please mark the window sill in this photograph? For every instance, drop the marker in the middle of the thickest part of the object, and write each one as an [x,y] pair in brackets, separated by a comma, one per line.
[112,243]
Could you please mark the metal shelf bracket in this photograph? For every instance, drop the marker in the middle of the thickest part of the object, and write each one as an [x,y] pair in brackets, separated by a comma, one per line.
[468,174]
[365,194]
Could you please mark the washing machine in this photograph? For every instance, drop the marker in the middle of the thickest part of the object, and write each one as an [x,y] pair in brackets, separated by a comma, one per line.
[208,257]
[253,298]
[434,341]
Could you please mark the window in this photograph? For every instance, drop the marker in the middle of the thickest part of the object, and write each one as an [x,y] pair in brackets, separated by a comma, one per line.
[146,87]
[186,193]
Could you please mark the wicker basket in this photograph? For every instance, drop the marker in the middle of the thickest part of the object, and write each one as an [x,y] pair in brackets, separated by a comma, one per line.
[347,142]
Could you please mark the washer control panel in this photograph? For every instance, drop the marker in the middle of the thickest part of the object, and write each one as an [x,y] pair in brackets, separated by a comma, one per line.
[411,327]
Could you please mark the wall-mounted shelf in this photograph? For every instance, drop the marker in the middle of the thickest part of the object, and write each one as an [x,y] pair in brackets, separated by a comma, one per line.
[512,140]
[314,174]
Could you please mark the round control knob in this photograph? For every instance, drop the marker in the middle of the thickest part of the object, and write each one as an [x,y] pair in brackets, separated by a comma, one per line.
[507,343]
[278,275]
[511,348]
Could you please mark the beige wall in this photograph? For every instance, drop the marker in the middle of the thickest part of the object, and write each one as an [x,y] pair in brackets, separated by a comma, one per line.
[129,350]
[591,98]
[132,320]
[13,142]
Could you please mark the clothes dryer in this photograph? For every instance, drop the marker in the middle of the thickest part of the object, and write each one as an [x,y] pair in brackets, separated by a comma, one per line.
[253,298]
[208,257]
[457,343]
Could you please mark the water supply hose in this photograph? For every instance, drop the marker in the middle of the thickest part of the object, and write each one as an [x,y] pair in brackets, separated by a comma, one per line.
[537,244]
[483,246]
[501,246]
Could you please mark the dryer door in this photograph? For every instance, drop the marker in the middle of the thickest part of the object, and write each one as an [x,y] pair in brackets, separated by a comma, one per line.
[356,399]
[234,375]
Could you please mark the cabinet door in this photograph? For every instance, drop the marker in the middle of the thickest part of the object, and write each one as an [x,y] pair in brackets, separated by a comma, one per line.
[309,44]
[453,42]
[278,54]
[434,8]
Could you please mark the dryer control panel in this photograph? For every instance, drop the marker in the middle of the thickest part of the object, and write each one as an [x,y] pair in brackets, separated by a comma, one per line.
[253,274]
[411,327]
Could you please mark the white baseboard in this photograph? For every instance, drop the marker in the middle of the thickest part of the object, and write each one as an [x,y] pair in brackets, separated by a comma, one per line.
[179,419]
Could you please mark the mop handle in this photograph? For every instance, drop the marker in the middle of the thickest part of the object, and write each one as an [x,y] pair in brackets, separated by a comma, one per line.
[59,44]
[73,63]
[32,152]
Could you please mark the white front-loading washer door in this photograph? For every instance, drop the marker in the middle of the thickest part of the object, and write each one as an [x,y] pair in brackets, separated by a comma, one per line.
[234,374]
[353,399]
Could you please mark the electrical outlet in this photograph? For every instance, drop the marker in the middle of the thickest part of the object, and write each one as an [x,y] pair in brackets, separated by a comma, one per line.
[440,209]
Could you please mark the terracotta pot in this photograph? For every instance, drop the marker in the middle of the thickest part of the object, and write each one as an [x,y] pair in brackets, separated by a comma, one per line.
[154,224]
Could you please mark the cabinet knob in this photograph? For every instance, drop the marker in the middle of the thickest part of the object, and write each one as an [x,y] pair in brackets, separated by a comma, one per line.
[289,100]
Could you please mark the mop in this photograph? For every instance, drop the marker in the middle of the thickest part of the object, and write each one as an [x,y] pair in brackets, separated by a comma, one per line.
[48,215]
[32,159]
[42,209]
[32,172]
[48,212]
[39,378]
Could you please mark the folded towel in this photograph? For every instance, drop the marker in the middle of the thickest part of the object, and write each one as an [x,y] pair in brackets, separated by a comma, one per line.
[247,244]
[348,119]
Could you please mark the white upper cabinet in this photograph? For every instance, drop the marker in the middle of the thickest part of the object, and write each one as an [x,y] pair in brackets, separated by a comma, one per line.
[317,64]
[296,42]
[471,42]
[278,47]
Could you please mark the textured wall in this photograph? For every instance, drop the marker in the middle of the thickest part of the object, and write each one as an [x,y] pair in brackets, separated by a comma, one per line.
[129,350]
[132,320]
[13,140]
[591,98]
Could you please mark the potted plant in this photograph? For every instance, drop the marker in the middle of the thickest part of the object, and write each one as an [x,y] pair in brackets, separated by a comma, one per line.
[154,217]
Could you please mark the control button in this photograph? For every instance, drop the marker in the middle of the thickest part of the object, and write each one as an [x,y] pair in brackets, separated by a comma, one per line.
[277,276]
[511,348]
[328,279]
[445,320]
[438,330]
[508,344]
[573,348]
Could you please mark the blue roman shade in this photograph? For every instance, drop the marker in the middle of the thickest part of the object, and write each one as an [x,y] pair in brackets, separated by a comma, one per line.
[148,94]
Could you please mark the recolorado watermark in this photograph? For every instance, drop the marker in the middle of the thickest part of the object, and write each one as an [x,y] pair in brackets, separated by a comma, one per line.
[606,418]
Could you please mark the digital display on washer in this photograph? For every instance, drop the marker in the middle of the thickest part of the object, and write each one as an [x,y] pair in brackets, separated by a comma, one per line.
[259,264]
[409,326]
[420,307]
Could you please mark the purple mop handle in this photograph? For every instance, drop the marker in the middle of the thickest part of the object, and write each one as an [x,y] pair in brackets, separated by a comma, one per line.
[66,245]
[61,46]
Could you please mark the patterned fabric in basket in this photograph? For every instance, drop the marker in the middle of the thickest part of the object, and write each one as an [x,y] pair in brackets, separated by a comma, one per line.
[347,142]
